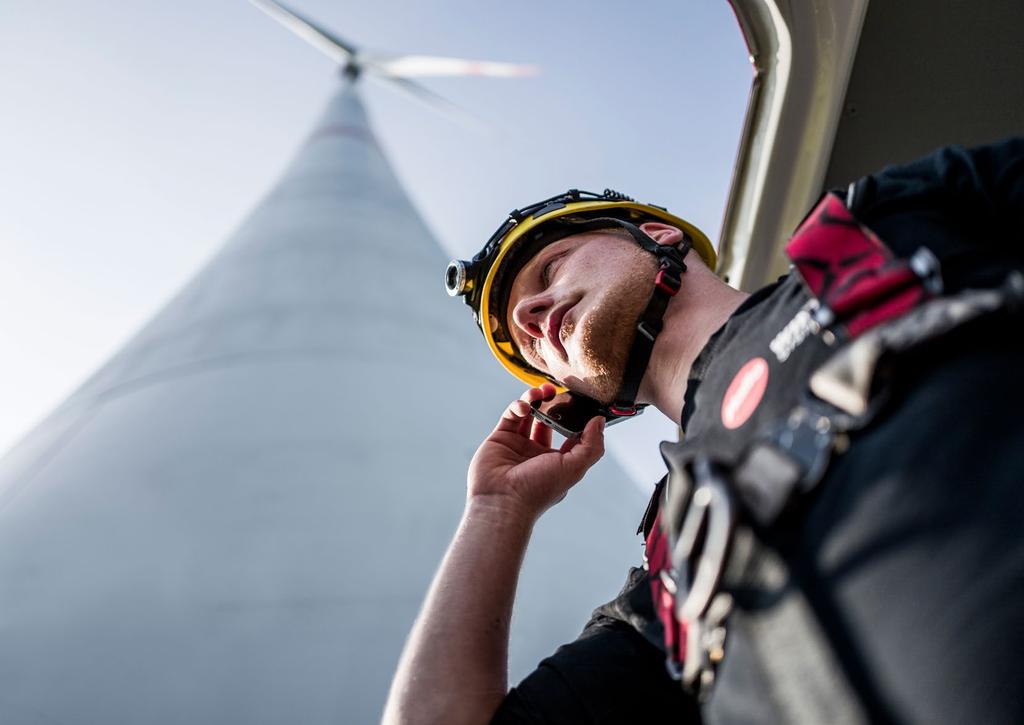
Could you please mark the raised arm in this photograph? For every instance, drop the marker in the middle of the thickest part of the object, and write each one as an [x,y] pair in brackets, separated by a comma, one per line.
[454,668]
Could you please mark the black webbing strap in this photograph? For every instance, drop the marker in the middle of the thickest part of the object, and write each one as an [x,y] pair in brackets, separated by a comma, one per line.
[666,285]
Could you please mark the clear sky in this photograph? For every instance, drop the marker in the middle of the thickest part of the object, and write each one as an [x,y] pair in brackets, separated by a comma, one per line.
[135,136]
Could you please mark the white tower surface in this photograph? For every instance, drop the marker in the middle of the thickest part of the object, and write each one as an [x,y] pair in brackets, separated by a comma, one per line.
[235,520]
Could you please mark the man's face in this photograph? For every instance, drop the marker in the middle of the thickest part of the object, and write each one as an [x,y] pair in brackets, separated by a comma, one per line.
[573,309]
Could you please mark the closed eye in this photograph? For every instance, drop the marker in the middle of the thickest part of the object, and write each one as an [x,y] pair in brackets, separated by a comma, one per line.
[545,275]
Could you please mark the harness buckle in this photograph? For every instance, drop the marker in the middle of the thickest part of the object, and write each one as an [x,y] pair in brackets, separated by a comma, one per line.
[702,546]
[791,459]
[698,560]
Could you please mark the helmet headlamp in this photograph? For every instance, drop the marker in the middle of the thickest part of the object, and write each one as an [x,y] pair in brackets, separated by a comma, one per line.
[457,279]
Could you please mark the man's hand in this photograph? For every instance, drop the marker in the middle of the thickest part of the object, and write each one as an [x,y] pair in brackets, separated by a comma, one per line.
[455,665]
[517,468]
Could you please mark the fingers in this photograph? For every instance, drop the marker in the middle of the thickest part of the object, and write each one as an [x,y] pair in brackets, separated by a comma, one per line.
[583,452]
[517,418]
[526,424]
[541,434]
[531,395]
[513,417]
[545,392]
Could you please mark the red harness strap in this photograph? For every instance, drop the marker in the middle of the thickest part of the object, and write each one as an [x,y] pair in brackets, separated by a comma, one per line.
[855,277]
[658,560]
[858,284]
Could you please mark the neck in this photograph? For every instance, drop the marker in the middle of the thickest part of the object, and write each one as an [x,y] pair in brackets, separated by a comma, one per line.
[702,306]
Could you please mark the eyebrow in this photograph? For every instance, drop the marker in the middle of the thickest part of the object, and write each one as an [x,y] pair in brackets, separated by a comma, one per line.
[545,255]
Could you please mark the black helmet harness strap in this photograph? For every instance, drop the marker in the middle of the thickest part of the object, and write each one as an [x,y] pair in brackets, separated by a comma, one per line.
[667,283]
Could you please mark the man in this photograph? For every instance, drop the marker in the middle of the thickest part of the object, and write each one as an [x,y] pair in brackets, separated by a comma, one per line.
[893,590]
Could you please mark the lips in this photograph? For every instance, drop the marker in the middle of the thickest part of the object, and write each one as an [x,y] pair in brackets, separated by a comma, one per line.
[553,333]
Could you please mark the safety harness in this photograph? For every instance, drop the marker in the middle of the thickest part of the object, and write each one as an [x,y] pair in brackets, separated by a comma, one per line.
[704,541]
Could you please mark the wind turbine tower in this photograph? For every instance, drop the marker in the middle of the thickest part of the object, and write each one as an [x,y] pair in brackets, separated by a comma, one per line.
[235,519]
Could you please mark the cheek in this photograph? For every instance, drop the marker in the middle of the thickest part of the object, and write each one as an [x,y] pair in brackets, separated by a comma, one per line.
[615,265]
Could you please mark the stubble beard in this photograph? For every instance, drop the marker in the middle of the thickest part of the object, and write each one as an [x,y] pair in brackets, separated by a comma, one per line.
[606,335]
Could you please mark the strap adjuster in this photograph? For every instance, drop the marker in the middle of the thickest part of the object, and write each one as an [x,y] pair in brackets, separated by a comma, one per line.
[667,282]
[649,329]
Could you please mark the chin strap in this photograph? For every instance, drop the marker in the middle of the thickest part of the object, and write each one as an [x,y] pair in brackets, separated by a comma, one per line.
[666,285]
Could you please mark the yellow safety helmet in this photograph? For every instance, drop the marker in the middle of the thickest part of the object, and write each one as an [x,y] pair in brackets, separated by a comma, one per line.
[484,282]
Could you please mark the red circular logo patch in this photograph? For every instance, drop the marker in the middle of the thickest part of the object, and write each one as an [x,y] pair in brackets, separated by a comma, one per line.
[744,393]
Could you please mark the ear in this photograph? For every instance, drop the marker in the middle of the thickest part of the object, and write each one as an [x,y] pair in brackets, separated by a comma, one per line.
[665,234]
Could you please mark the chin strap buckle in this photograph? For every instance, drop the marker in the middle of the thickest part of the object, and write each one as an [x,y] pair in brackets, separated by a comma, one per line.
[670,275]
[666,281]
[625,411]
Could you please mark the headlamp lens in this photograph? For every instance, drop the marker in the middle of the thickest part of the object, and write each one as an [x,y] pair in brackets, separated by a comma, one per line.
[455,278]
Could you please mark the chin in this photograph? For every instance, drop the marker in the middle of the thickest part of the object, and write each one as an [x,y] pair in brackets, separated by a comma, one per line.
[599,387]
[604,361]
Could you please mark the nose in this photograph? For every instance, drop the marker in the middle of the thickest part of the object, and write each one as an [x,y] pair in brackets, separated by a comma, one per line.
[530,312]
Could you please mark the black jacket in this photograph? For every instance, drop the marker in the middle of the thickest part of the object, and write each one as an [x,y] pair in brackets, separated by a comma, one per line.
[911,555]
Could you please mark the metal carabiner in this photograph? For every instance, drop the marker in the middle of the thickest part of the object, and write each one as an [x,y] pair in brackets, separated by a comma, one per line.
[702,549]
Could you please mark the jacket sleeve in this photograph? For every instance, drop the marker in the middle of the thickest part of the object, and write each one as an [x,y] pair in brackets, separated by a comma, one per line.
[1000,170]
[965,204]
[611,674]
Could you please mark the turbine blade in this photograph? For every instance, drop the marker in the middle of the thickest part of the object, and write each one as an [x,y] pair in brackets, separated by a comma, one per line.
[411,66]
[438,103]
[331,45]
